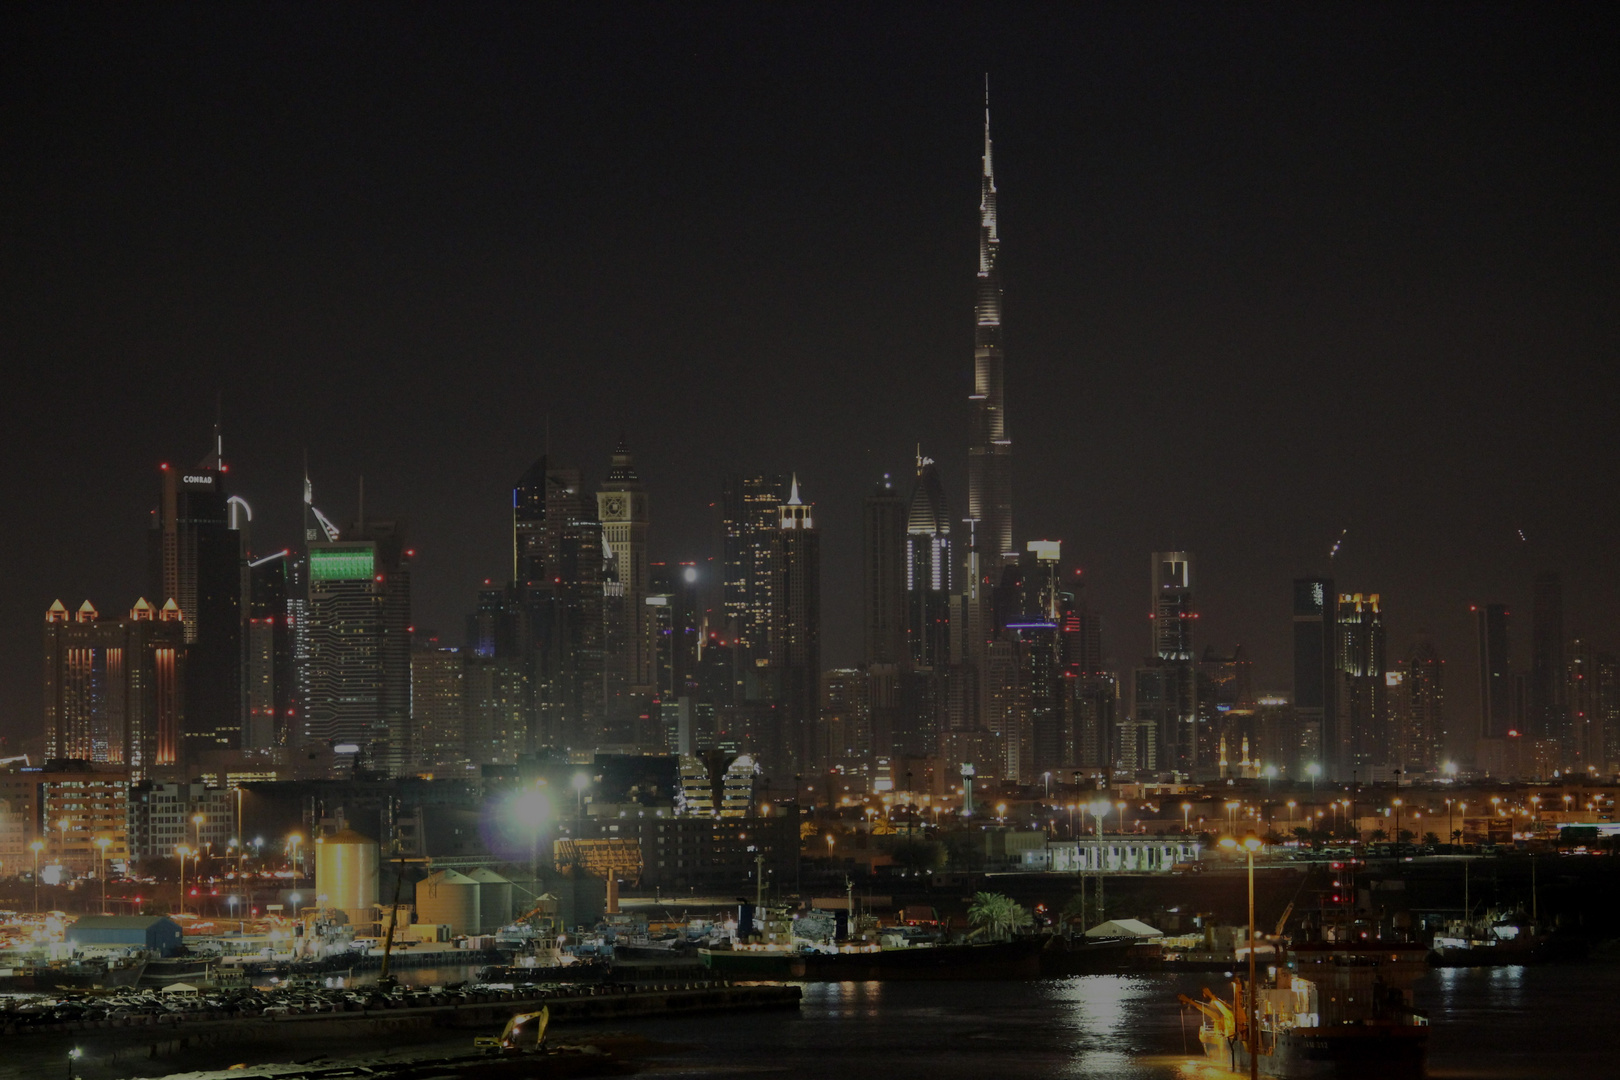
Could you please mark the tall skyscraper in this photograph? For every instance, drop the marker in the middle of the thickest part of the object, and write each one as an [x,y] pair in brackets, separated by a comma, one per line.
[1547,718]
[1316,700]
[115,688]
[929,570]
[358,629]
[990,451]
[1588,751]
[268,671]
[1363,712]
[1172,620]
[438,707]
[621,506]
[883,574]
[1495,676]
[795,630]
[988,543]
[750,504]
[197,558]
[1419,736]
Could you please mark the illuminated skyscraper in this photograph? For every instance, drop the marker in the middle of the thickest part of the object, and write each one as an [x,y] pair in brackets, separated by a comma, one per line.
[1363,712]
[1316,699]
[1172,619]
[795,630]
[990,452]
[929,570]
[358,629]
[1417,732]
[115,688]
[197,558]
[621,506]
[749,511]
[989,541]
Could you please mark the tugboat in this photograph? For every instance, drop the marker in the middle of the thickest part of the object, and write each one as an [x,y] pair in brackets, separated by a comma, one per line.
[1331,1012]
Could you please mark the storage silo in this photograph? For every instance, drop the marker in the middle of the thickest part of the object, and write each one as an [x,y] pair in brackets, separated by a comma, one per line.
[449,898]
[346,877]
[494,899]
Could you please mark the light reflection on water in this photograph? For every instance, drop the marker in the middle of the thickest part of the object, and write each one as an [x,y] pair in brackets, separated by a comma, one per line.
[1489,1024]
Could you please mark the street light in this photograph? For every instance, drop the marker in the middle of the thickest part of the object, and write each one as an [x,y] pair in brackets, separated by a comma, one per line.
[532,808]
[1250,844]
[102,842]
[1186,809]
[1098,809]
[36,847]
[73,1055]
[1313,770]
[182,851]
[581,782]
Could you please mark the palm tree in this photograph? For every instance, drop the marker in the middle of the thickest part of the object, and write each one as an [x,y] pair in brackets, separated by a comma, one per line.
[999,916]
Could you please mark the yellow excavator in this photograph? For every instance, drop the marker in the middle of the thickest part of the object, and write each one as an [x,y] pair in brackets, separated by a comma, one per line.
[525,1031]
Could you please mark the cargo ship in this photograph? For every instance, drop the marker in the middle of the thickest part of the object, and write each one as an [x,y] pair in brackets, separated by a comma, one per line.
[1331,1010]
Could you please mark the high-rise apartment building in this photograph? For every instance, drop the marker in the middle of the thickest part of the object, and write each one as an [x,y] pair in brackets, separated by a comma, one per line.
[438,708]
[1587,744]
[359,635]
[795,630]
[1419,736]
[115,688]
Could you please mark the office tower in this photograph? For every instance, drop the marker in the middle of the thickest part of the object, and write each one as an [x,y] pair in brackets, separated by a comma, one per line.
[1363,691]
[1172,618]
[197,558]
[929,570]
[1420,729]
[795,630]
[115,688]
[629,651]
[358,630]
[749,522]
[1316,698]
[883,573]
[1495,678]
[268,679]
[1547,719]
[438,707]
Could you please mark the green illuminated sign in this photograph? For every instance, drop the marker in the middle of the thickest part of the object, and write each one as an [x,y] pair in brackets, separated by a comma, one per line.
[341,564]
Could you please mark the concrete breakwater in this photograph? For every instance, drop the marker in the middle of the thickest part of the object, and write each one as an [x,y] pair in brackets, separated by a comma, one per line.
[113,1047]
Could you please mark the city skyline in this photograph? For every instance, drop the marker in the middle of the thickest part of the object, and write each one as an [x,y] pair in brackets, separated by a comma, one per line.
[442,437]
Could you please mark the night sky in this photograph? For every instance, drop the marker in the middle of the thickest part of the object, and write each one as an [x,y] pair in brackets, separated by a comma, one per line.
[1272,271]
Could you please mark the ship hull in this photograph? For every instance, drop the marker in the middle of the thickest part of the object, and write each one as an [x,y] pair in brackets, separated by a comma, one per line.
[1387,1051]
[1006,960]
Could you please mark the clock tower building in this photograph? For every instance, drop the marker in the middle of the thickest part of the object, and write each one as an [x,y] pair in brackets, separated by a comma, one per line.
[621,505]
